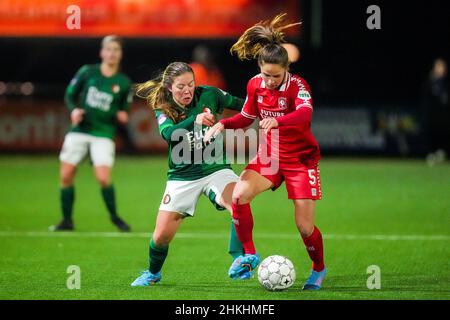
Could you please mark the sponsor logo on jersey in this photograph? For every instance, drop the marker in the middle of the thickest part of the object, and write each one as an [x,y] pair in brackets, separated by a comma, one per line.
[195,138]
[282,103]
[161,118]
[115,88]
[270,114]
[166,198]
[304,95]
[98,99]
[260,99]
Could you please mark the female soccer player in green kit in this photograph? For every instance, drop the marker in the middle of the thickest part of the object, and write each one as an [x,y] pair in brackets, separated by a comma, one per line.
[184,112]
[98,97]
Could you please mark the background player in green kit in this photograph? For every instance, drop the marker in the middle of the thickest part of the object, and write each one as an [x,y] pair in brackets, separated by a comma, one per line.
[98,98]
[184,112]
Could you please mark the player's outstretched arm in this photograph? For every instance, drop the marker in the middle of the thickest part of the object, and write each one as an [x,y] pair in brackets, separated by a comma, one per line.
[302,115]
[168,127]
[213,132]
[237,121]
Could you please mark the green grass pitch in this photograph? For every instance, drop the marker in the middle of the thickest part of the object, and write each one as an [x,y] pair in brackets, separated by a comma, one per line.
[394,214]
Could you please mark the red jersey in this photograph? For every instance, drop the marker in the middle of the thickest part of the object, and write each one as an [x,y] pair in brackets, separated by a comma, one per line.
[296,142]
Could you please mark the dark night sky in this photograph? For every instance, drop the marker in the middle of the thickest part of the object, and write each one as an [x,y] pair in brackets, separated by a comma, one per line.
[353,64]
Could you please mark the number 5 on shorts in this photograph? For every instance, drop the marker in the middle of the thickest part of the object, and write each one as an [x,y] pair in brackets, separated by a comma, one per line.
[312,177]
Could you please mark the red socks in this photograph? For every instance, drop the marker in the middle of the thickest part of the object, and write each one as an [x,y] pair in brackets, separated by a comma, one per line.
[314,246]
[243,221]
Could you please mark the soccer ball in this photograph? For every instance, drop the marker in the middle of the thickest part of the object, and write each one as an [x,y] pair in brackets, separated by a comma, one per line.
[276,273]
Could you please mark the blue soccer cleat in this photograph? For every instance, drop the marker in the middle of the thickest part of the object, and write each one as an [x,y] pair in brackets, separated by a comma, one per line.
[246,275]
[243,266]
[315,279]
[146,279]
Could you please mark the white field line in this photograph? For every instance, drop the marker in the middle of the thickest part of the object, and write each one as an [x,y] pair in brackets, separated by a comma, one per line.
[203,235]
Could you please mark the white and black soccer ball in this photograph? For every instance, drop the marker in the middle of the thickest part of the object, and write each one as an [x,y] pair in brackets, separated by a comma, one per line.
[276,273]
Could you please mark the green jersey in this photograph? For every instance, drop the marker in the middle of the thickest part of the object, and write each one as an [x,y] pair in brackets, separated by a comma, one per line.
[185,138]
[100,97]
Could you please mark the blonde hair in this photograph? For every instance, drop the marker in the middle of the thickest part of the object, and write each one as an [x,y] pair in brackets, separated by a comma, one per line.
[157,93]
[112,38]
[263,42]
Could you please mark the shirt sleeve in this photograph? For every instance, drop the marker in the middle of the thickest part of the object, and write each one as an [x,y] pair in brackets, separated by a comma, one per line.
[298,117]
[75,86]
[167,126]
[303,97]
[236,122]
[250,109]
[127,98]
[228,101]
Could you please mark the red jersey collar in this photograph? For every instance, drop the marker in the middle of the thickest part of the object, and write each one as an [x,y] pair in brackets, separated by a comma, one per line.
[283,87]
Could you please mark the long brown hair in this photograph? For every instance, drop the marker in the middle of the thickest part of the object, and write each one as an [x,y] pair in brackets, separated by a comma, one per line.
[157,93]
[263,42]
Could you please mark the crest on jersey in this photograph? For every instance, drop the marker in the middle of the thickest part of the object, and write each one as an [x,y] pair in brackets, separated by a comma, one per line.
[166,199]
[282,103]
[260,99]
[115,88]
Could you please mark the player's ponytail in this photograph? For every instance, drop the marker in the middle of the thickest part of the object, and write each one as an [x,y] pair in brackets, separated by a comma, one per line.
[157,93]
[263,42]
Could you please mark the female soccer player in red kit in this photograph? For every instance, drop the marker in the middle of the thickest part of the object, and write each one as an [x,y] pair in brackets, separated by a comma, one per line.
[282,102]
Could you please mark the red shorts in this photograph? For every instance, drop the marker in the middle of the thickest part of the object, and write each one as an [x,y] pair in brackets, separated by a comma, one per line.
[302,182]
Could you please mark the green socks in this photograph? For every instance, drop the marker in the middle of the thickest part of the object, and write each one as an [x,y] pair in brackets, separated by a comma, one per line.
[235,247]
[109,197]
[67,197]
[157,256]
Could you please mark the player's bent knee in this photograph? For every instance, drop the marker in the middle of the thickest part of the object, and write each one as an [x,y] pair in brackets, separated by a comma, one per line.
[67,179]
[66,182]
[239,200]
[241,196]
[305,229]
[104,181]
[67,175]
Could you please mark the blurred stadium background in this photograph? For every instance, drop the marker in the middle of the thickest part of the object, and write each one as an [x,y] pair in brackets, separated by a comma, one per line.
[367,84]
[369,90]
